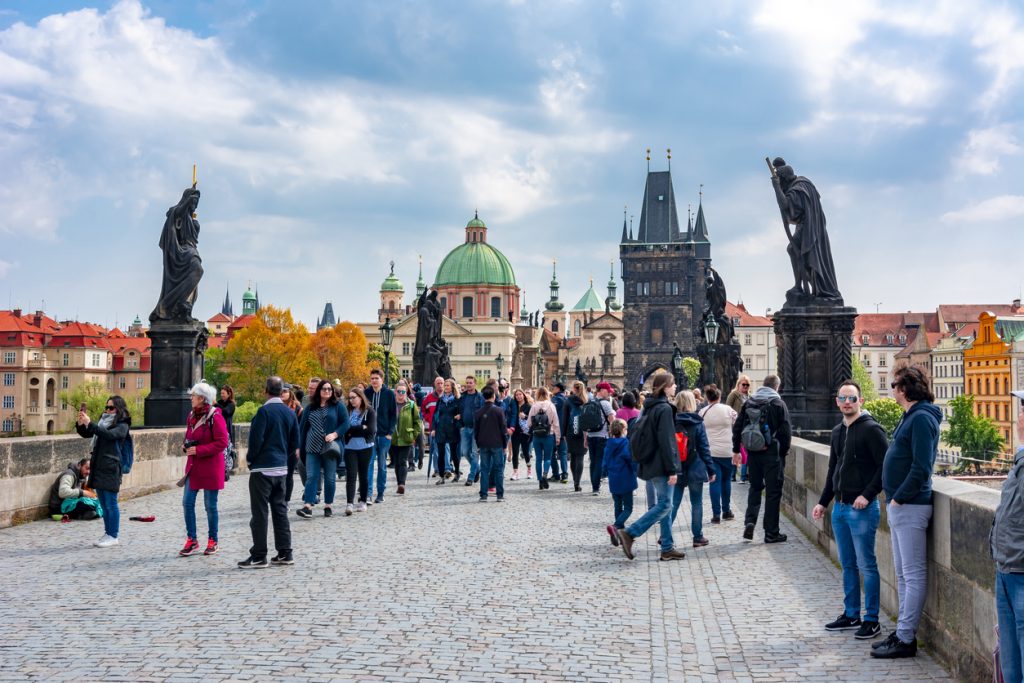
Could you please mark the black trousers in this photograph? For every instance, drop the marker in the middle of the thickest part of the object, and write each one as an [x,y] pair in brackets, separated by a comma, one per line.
[266,497]
[400,457]
[763,472]
[520,444]
[596,445]
[357,464]
[576,451]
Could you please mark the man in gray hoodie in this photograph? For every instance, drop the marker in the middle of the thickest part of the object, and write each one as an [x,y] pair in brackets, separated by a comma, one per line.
[767,414]
[1006,541]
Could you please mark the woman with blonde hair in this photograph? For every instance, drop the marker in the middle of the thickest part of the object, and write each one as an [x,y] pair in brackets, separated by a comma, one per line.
[698,466]
[735,400]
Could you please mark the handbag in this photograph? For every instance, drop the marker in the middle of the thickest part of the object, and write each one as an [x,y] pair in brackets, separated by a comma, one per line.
[332,449]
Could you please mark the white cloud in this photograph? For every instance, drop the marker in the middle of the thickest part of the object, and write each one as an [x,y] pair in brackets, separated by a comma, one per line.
[1000,208]
[984,147]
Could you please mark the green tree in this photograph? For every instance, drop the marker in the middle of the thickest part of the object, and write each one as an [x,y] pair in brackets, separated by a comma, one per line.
[94,395]
[691,368]
[245,412]
[975,435]
[214,371]
[861,377]
[375,359]
[887,411]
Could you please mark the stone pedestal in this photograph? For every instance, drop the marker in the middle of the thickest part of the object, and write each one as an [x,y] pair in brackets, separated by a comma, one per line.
[814,347]
[177,364]
[720,364]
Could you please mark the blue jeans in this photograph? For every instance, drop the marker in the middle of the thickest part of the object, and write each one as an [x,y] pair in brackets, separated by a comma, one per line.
[563,458]
[623,508]
[855,538]
[188,501]
[660,513]
[469,451]
[379,463]
[696,504]
[543,449]
[314,463]
[1010,613]
[111,513]
[721,488]
[492,471]
[743,472]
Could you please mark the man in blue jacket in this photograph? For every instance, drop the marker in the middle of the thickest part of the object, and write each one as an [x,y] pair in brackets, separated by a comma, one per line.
[469,403]
[273,438]
[383,401]
[560,464]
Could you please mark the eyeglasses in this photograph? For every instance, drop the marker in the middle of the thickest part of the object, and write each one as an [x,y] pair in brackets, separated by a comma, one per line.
[109,407]
[352,397]
[328,389]
[847,399]
[400,391]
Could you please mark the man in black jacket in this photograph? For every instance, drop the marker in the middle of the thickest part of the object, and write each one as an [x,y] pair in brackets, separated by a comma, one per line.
[490,433]
[765,466]
[854,479]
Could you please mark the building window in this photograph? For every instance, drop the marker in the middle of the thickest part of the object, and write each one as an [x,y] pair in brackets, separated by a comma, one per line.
[888,339]
[881,360]
[495,306]
[140,382]
[747,340]
[65,359]
[675,288]
[577,328]
[486,374]
[554,326]
[647,289]
[881,383]
[405,373]
[405,348]
[657,329]
[8,379]
[9,357]
[483,348]
[467,307]
[639,289]
[95,359]
[8,401]
[8,426]
[867,361]
[64,382]
[122,382]
[444,305]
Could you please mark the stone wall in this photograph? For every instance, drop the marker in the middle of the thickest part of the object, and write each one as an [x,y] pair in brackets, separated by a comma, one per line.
[959,619]
[30,465]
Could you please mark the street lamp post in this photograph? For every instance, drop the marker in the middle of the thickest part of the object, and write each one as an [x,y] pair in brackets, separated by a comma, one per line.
[708,366]
[387,335]
[499,363]
[677,367]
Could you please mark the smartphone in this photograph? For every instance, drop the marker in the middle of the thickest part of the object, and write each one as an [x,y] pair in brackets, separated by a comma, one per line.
[82,408]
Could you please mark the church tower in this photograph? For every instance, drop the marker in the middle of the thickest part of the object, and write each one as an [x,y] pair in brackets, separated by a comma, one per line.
[554,318]
[663,273]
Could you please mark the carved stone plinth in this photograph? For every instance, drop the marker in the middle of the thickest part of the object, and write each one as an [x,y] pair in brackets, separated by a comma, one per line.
[720,364]
[177,364]
[814,347]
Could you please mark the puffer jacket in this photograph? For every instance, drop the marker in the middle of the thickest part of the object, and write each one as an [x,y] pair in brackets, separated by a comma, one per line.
[665,462]
[105,463]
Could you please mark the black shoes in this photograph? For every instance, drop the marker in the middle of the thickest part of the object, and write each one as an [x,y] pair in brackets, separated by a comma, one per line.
[282,558]
[728,515]
[748,532]
[328,512]
[844,623]
[894,648]
[716,520]
[251,563]
[868,630]
[775,538]
[304,512]
[469,482]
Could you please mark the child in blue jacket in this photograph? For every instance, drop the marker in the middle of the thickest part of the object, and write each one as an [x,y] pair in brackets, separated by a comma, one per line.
[621,468]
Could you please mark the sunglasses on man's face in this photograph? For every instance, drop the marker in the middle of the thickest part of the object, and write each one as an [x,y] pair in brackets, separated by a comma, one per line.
[847,399]
[744,384]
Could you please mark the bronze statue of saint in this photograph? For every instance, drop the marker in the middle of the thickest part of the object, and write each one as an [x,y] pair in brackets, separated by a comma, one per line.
[183,269]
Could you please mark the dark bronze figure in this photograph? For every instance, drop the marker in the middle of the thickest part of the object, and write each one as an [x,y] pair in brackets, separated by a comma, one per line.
[183,269]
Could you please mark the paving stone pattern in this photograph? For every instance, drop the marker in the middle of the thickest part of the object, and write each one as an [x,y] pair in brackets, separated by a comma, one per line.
[432,586]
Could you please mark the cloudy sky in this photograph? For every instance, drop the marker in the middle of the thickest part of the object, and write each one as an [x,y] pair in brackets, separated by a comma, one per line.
[332,137]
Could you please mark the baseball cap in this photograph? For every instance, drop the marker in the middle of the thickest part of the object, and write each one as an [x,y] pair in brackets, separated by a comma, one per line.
[604,385]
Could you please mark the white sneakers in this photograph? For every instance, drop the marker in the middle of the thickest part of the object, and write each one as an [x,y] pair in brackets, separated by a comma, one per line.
[106,542]
[361,507]
[349,509]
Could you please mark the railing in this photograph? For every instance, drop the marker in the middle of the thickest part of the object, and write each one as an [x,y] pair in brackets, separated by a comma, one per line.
[42,363]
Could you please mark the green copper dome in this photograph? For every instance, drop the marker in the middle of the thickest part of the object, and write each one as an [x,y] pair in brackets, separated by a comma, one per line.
[589,301]
[391,283]
[248,296]
[475,263]
[476,223]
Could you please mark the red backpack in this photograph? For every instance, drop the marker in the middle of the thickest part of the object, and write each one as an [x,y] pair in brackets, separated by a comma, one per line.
[682,445]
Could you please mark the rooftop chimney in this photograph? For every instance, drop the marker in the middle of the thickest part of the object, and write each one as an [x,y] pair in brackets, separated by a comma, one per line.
[1016,304]
[16,312]
[37,319]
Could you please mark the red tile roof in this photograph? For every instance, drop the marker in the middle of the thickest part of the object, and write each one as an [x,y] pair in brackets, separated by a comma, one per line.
[217,341]
[954,315]
[878,325]
[746,318]
[220,318]
[241,322]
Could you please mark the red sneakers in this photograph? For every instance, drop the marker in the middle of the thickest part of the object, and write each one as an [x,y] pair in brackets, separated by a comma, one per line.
[191,545]
[211,547]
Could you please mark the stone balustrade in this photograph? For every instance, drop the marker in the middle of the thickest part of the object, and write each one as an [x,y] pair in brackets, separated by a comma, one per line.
[960,617]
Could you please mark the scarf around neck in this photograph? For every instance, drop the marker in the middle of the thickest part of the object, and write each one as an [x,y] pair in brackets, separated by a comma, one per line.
[106,421]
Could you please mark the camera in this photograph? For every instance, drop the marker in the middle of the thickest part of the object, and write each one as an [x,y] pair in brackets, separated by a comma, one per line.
[187,444]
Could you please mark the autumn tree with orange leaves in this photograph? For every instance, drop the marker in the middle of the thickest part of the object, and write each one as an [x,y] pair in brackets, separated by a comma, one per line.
[341,353]
[272,344]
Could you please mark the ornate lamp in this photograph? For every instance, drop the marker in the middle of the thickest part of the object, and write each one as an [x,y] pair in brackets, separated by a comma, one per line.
[499,363]
[711,331]
[387,335]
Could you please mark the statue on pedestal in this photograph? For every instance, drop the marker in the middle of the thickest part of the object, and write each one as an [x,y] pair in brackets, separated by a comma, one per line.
[430,353]
[182,266]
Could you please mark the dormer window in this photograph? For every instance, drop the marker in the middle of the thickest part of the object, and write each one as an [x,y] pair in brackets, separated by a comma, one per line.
[903,339]
[865,338]
[888,339]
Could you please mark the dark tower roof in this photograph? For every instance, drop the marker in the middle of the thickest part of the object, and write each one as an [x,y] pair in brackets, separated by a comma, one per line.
[700,230]
[227,308]
[327,320]
[659,223]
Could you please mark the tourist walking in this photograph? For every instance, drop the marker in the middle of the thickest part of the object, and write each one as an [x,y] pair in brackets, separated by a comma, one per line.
[1006,542]
[762,428]
[595,421]
[698,467]
[273,437]
[297,461]
[226,406]
[544,432]
[323,423]
[856,453]
[109,435]
[491,434]
[408,429]
[560,460]
[628,410]
[206,441]
[654,447]
[427,410]
[735,400]
[907,480]
[520,432]
[447,433]
[382,400]
[359,442]
[621,468]
[469,402]
[718,422]
[574,435]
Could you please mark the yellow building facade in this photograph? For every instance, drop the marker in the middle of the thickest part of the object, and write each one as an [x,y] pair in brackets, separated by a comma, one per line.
[987,370]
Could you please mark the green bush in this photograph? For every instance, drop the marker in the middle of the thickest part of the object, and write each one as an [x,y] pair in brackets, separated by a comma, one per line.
[887,411]
[245,412]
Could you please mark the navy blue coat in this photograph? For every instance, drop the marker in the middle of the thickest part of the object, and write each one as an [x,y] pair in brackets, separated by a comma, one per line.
[701,468]
[444,424]
[619,463]
[335,421]
[273,436]
[387,410]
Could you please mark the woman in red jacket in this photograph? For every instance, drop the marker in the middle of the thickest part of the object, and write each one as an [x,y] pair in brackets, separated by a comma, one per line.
[206,439]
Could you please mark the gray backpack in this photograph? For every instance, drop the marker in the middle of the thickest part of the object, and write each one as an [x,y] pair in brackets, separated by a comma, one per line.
[756,436]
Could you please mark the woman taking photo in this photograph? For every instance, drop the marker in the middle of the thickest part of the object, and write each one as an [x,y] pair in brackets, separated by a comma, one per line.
[574,436]
[446,430]
[408,428]
[362,428]
[226,406]
[105,463]
[323,422]
[521,405]
[206,440]
[698,467]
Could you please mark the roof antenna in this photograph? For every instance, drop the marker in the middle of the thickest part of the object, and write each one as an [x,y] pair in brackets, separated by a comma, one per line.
[648,159]
[669,152]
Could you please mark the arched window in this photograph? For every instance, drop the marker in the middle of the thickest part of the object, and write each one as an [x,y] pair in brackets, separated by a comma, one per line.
[657,329]
[554,326]
[577,328]
[444,304]
[495,306]
[467,307]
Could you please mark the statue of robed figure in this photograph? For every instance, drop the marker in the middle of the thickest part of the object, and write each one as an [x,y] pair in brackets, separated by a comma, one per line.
[430,353]
[714,306]
[809,249]
[183,269]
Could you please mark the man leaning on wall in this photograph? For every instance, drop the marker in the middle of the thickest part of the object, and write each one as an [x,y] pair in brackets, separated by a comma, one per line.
[1006,542]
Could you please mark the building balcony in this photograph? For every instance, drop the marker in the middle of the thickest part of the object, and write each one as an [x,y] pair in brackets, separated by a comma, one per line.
[42,364]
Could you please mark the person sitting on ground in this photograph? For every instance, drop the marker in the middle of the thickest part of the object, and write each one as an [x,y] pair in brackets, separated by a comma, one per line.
[69,497]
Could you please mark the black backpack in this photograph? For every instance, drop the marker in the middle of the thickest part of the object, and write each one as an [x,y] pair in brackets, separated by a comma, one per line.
[756,435]
[592,416]
[541,425]
[643,442]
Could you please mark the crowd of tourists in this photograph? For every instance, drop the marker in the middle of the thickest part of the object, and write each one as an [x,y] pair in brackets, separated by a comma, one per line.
[670,439]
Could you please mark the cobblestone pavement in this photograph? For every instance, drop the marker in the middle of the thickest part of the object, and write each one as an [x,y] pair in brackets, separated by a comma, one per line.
[432,586]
